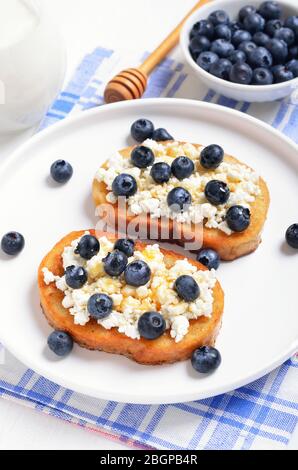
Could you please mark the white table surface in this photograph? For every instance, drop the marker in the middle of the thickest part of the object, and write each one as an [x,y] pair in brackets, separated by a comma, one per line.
[114,23]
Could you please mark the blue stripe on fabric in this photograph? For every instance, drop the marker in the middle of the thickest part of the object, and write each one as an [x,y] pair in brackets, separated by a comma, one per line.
[177,85]
[291,128]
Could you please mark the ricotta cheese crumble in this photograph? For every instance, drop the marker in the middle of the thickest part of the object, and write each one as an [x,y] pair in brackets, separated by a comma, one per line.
[151,197]
[129,303]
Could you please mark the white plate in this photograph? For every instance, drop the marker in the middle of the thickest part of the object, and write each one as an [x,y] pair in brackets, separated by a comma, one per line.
[260,327]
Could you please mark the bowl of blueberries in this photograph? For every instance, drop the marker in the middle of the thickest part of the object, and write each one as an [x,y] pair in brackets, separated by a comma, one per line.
[245,51]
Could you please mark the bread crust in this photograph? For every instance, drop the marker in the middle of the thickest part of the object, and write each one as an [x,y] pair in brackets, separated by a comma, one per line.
[202,331]
[229,247]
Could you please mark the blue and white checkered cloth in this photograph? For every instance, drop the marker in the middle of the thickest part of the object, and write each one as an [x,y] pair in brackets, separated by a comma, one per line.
[261,415]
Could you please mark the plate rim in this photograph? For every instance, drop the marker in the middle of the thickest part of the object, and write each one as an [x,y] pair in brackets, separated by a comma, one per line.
[146,398]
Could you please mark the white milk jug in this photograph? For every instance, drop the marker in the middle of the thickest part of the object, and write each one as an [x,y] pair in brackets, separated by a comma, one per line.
[32,63]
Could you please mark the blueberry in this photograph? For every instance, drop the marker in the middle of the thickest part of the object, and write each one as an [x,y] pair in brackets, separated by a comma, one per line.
[187,288]
[206,359]
[217,192]
[292,236]
[221,69]
[87,247]
[292,23]
[262,76]
[254,23]
[293,67]
[161,135]
[222,31]
[75,277]
[115,263]
[126,245]
[206,59]
[60,342]
[182,167]
[279,50]
[160,172]
[137,273]
[211,156]
[124,185]
[202,28]
[197,45]
[222,48]
[247,10]
[208,258]
[238,218]
[219,17]
[100,306]
[293,52]
[260,57]
[240,36]
[142,157]
[247,47]
[241,73]
[281,73]
[286,34]
[261,39]
[61,171]
[142,129]
[179,199]
[12,243]
[270,10]
[235,26]
[151,325]
[237,56]
[272,26]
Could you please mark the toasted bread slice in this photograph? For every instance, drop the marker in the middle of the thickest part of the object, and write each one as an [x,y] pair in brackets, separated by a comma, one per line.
[229,247]
[202,331]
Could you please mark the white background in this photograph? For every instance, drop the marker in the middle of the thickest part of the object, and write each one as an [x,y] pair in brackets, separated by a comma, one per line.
[128,24]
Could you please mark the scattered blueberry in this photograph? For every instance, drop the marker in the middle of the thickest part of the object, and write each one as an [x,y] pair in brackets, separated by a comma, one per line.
[12,243]
[286,35]
[247,47]
[142,157]
[240,36]
[222,48]
[187,288]
[238,218]
[292,236]
[293,67]
[262,76]
[179,199]
[100,306]
[237,56]
[161,135]
[292,23]
[272,27]
[279,50]
[261,39]
[241,73]
[217,192]
[142,129]
[206,59]
[126,245]
[206,359]
[182,167]
[223,31]
[254,23]
[124,185]
[61,171]
[208,258]
[161,172]
[137,273]
[270,10]
[282,73]
[197,45]
[247,10]
[115,263]
[219,17]
[60,342]
[211,156]
[75,277]
[260,57]
[221,69]
[151,325]
[202,28]
[87,247]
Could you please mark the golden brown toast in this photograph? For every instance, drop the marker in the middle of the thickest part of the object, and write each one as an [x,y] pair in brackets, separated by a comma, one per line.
[229,247]
[202,331]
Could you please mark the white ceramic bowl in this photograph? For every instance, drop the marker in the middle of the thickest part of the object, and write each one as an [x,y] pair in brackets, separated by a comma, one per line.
[251,93]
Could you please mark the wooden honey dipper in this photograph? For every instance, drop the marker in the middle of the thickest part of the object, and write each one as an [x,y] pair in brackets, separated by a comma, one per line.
[130,84]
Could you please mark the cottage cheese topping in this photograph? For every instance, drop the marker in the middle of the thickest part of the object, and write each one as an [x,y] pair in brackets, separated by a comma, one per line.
[152,198]
[129,303]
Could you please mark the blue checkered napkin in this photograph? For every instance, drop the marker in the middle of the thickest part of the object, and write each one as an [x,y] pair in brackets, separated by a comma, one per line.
[261,415]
